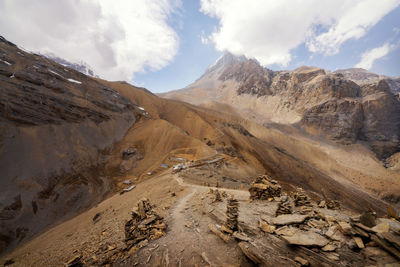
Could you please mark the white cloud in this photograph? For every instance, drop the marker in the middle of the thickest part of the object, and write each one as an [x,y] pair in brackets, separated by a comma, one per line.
[269,30]
[368,57]
[117,37]
[352,24]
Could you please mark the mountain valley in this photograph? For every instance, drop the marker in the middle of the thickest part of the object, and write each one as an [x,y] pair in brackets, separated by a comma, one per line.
[78,153]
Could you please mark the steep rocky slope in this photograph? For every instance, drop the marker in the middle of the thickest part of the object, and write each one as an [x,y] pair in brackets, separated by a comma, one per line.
[55,124]
[322,103]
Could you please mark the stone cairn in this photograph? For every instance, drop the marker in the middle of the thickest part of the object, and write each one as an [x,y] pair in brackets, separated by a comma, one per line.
[232,214]
[145,224]
[300,198]
[284,206]
[329,203]
[217,196]
[264,188]
[303,201]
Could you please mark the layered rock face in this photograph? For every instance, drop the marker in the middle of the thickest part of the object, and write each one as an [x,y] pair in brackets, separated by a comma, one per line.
[346,106]
[55,125]
[373,118]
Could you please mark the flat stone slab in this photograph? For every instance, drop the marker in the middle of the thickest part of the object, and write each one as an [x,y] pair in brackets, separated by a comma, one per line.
[286,219]
[381,228]
[309,238]
[334,234]
[394,225]
[286,231]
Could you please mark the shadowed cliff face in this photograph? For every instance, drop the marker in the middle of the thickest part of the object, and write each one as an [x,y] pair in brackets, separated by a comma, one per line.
[55,124]
[346,106]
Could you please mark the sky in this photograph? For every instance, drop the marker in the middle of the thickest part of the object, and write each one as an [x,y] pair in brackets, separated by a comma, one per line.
[167,44]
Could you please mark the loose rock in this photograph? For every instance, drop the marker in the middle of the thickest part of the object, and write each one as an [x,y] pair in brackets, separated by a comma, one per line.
[329,248]
[265,227]
[359,242]
[75,262]
[344,227]
[303,262]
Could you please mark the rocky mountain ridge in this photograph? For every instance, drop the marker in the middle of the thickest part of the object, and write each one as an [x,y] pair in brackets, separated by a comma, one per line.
[344,106]
[362,76]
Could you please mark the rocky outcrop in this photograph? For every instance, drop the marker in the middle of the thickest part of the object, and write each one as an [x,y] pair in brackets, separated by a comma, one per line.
[381,125]
[341,121]
[374,118]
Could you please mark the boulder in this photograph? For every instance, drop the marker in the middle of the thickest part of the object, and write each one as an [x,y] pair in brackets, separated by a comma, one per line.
[368,219]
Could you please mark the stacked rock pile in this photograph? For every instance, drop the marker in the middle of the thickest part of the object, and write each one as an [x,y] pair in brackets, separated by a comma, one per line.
[300,198]
[232,214]
[145,224]
[284,206]
[264,188]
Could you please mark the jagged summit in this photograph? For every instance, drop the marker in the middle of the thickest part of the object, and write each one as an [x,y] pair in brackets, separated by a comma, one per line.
[226,60]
